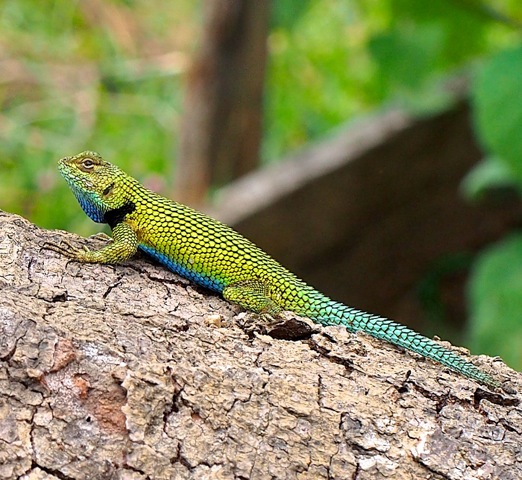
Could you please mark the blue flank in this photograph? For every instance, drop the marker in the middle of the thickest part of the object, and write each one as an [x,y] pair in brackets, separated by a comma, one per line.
[199,278]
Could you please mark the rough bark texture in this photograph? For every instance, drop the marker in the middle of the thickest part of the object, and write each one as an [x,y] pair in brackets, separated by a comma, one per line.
[130,372]
[221,127]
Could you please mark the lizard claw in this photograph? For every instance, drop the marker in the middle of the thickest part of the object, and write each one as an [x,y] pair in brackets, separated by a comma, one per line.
[66,249]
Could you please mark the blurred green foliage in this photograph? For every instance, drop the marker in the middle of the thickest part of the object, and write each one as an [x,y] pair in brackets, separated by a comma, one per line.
[104,76]
[496,301]
[108,76]
[498,114]
[337,59]
[496,283]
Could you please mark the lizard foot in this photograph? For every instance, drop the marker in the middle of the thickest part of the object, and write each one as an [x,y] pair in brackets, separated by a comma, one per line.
[66,249]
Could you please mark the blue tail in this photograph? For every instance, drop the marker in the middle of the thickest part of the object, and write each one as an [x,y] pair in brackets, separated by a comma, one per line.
[335,313]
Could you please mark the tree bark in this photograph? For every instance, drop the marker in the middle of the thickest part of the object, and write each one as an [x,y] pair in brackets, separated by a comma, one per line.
[221,128]
[131,372]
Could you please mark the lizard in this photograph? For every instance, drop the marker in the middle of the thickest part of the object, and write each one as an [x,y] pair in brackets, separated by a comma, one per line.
[217,257]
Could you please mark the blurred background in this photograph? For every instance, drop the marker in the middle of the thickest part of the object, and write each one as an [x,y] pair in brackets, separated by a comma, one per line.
[372,146]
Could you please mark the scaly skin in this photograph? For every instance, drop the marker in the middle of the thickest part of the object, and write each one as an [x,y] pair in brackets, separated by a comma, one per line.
[217,257]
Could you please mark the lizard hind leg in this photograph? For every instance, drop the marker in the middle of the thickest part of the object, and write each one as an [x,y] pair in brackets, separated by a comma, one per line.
[252,295]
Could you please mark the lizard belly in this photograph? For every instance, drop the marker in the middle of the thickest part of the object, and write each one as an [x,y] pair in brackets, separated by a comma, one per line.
[200,278]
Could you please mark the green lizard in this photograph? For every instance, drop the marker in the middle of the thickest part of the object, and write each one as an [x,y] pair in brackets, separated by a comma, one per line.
[215,256]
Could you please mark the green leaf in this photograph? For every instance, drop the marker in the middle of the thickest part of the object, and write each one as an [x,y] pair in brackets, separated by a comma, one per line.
[496,301]
[498,108]
[491,174]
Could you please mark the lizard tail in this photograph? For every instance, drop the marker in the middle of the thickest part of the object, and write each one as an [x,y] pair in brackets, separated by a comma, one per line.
[392,332]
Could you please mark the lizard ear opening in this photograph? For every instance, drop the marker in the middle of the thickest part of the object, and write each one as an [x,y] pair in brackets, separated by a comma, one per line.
[108,189]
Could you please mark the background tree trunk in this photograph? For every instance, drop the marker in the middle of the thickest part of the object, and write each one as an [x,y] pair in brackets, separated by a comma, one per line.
[130,372]
[221,127]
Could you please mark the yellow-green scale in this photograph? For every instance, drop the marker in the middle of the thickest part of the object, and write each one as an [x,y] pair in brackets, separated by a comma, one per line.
[211,253]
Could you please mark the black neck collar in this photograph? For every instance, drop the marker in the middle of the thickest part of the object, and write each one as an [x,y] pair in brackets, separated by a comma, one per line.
[117,215]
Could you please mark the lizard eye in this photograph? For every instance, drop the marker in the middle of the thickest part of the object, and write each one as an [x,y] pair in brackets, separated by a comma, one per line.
[87,164]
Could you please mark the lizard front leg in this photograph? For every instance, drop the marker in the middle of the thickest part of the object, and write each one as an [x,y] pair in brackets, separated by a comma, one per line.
[123,246]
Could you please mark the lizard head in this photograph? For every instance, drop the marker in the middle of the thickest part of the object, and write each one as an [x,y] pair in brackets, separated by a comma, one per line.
[97,184]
